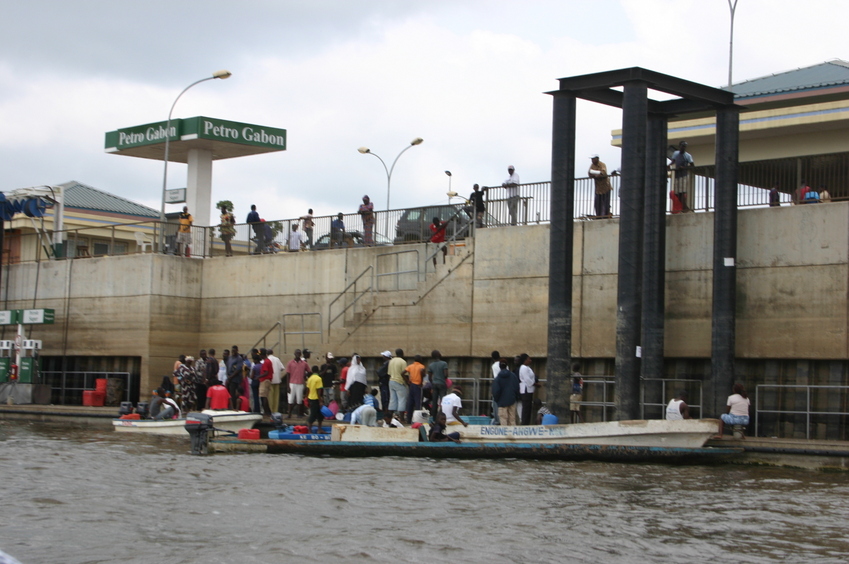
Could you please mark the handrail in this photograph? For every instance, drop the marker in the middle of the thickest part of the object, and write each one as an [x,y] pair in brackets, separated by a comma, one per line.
[303,330]
[807,412]
[342,294]
[397,273]
[262,339]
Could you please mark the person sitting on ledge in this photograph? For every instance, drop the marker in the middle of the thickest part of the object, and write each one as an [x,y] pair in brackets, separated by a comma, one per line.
[437,431]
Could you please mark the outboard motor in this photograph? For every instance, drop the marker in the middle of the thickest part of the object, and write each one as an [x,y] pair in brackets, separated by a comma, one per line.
[143,409]
[125,409]
[277,419]
[199,426]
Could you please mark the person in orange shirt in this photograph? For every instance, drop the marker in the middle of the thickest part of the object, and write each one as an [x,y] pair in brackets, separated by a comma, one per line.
[414,398]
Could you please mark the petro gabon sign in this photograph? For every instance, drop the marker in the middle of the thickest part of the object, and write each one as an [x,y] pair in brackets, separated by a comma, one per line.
[197,128]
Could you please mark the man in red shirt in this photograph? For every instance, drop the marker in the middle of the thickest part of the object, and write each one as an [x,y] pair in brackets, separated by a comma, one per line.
[297,370]
[217,396]
[266,374]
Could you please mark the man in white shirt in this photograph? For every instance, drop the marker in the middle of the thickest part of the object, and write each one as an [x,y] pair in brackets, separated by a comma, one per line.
[512,186]
[276,372]
[296,239]
[527,385]
[451,405]
[364,415]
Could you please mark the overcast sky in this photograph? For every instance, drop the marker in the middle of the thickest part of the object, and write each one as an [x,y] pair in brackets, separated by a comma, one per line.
[468,76]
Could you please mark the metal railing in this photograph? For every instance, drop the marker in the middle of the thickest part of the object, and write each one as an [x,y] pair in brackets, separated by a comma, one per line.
[808,396]
[411,224]
[397,271]
[303,332]
[70,385]
[691,386]
[262,343]
[357,295]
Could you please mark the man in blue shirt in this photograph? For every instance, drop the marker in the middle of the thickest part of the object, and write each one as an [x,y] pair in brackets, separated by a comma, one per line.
[255,223]
[337,231]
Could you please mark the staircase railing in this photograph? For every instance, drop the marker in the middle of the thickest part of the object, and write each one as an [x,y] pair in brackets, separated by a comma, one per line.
[357,296]
[264,339]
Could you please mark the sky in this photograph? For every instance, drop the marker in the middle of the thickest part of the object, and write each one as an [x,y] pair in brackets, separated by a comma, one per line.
[467,76]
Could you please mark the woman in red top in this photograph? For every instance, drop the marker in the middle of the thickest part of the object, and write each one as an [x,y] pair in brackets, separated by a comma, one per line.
[438,230]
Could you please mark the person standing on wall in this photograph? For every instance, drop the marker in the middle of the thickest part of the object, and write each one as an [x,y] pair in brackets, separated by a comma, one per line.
[598,172]
[512,186]
[682,162]
[184,233]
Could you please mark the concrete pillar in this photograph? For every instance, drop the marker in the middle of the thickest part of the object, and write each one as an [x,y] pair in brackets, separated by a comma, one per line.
[654,255]
[558,367]
[723,321]
[629,295]
[199,185]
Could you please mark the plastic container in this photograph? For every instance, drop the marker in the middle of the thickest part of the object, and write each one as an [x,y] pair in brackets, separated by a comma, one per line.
[249,434]
[88,398]
[100,385]
[477,420]
[99,399]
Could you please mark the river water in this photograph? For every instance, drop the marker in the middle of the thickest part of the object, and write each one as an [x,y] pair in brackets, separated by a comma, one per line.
[95,496]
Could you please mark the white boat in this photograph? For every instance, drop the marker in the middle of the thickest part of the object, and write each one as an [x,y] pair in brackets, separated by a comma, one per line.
[687,433]
[225,420]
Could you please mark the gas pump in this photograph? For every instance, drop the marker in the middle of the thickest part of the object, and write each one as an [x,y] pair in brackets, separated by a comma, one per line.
[28,370]
[7,349]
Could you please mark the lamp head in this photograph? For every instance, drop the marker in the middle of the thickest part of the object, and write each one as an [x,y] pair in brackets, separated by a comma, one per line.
[364,150]
[451,194]
[222,74]
[448,172]
[417,141]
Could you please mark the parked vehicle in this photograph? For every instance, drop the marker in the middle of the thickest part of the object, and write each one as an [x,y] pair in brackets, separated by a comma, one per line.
[414,224]
[352,239]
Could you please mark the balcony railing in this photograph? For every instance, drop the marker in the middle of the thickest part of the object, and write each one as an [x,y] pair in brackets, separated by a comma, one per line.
[391,227]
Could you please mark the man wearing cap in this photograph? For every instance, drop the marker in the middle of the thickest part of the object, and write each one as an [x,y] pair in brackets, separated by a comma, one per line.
[598,172]
[512,186]
[383,380]
[682,161]
[366,212]
[297,370]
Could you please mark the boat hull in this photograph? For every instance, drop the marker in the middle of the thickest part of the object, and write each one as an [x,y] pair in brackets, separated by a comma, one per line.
[689,433]
[232,421]
[534,451]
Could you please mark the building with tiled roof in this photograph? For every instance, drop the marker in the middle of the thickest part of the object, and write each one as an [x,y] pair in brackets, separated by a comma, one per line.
[794,128]
[94,223]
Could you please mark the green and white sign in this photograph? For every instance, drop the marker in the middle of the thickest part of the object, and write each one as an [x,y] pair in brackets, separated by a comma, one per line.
[10,317]
[200,127]
[38,316]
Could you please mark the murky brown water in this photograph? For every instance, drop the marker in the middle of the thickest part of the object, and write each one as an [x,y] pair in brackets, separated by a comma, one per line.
[95,496]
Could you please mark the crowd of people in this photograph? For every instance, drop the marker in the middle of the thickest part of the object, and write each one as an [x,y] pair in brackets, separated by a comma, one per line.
[259,381]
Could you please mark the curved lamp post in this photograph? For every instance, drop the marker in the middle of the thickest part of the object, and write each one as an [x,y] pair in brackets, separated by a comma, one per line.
[222,74]
[367,151]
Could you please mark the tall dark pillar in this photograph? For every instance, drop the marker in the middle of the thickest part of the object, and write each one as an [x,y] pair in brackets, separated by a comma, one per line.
[558,368]
[723,322]
[629,295]
[654,254]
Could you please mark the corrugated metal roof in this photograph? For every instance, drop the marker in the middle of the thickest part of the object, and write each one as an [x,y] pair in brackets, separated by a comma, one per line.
[78,195]
[824,75]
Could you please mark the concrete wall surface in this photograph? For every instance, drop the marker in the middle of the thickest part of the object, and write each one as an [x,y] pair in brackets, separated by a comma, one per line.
[491,294]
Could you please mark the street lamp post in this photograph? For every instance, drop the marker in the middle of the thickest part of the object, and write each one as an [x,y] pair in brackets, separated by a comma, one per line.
[367,151]
[222,74]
